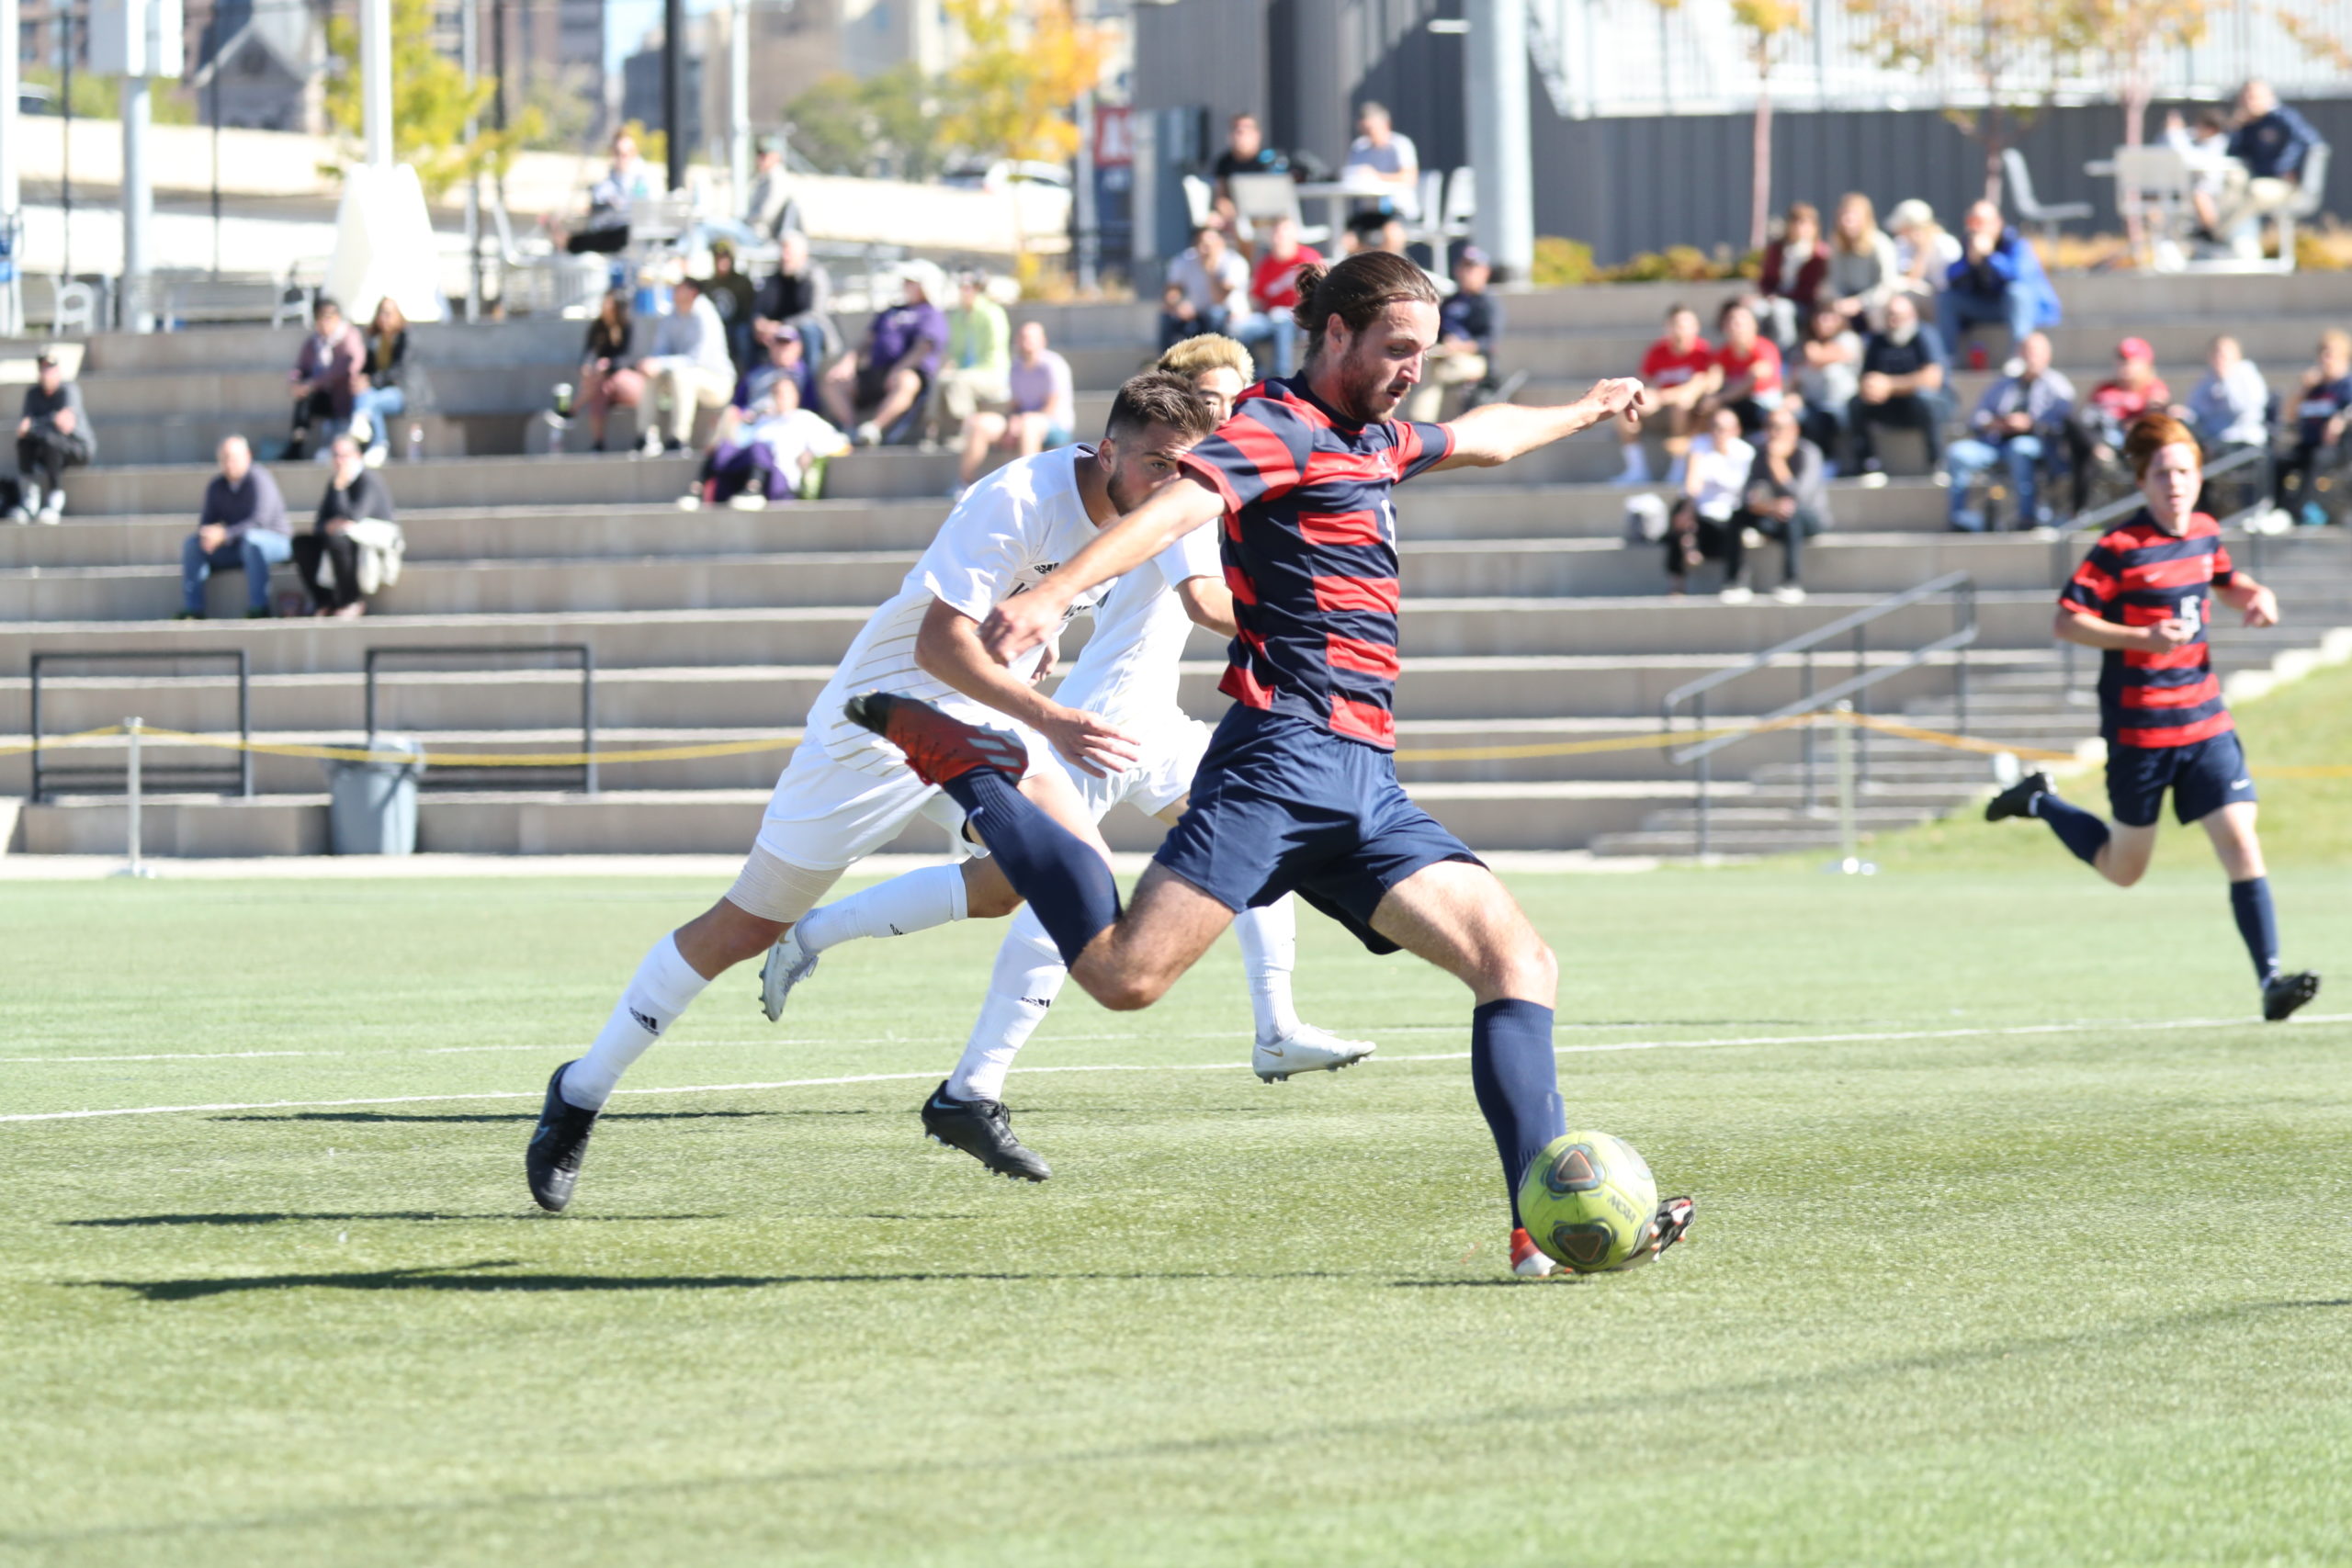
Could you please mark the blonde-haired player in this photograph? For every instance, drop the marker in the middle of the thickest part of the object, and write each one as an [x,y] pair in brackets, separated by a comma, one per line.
[1127,675]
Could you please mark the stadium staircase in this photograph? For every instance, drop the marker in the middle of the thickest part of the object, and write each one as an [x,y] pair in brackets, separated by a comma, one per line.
[1529,625]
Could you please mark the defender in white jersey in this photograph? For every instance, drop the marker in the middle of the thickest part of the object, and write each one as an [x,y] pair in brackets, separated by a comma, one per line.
[1127,675]
[846,794]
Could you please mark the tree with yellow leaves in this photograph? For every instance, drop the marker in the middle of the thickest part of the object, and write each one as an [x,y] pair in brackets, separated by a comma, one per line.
[2011,49]
[1769,26]
[1009,94]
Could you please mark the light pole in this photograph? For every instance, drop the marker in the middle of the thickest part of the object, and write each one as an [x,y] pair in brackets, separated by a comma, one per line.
[1496,69]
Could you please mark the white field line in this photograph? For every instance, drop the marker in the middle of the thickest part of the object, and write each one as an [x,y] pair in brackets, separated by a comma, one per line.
[1854,1037]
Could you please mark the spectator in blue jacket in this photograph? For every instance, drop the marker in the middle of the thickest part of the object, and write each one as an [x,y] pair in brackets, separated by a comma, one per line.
[2269,144]
[2019,422]
[1997,278]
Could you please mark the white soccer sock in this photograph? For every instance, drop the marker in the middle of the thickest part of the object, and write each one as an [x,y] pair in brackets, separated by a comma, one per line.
[915,902]
[664,985]
[1028,974]
[1269,949]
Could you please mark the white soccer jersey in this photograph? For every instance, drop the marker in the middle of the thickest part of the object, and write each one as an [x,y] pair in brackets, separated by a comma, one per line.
[1126,673]
[1006,536]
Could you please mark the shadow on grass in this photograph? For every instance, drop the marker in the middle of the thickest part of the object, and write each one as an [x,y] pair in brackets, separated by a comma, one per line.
[458,1278]
[526,1116]
[275,1219]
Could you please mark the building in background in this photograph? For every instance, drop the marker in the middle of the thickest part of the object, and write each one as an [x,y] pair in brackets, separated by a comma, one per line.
[259,64]
[641,82]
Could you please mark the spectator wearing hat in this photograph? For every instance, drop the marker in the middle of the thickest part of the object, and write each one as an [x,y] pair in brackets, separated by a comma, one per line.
[867,392]
[979,353]
[53,433]
[1680,371]
[1795,277]
[732,296]
[1273,292]
[329,371]
[1997,279]
[1750,364]
[2019,423]
[1905,369]
[1924,250]
[1468,323]
[799,294]
[688,370]
[782,357]
[1208,291]
[769,207]
[2094,435]
[242,527]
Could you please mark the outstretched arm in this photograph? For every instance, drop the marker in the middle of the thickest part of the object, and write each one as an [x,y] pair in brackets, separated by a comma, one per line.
[1025,620]
[1496,433]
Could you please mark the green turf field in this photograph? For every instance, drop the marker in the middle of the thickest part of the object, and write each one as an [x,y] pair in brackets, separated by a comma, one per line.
[1963,1289]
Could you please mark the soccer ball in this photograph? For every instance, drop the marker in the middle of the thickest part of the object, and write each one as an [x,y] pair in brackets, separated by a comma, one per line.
[1589,1200]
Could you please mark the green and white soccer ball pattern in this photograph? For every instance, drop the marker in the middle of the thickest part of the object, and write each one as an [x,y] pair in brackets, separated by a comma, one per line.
[1589,1200]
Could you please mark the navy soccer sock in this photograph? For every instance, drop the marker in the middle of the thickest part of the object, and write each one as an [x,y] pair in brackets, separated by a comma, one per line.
[2080,831]
[1057,872]
[1517,1080]
[2258,923]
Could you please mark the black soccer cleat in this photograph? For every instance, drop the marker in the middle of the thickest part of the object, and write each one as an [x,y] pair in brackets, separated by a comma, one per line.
[2019,798]
[2282,994]
[983,1129]
[1673,1222]
[557,1146]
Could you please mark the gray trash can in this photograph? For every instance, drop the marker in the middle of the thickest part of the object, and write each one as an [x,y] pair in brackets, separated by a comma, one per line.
[371,806]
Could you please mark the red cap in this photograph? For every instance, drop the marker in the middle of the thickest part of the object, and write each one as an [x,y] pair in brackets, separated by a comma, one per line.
[2135,348]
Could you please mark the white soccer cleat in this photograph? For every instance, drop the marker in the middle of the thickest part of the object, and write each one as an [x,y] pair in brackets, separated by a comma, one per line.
[788,963]
[1306,1049]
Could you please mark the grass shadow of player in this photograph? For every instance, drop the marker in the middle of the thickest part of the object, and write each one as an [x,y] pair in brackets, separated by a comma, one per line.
[464,1279]
[414,1215]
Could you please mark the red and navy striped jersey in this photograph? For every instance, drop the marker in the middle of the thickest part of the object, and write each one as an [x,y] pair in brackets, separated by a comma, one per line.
[1310,554]
[2136,576]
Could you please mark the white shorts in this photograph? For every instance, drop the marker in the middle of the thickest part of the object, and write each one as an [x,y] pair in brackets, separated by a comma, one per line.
[826,816]
[1162,777]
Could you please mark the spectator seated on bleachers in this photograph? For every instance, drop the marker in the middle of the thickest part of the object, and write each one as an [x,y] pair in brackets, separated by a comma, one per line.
[799,294]
[1905,369]
[385,372]
[2019,423]
[1040,407]
[1786,497]
[608,373]
[731,295]
[2230,410]
[2204,149]
[2322,409]
[1749,364]
[1207,290]
[1273,292]
[53,433]
[1828,368]
[2269,146]
[353,546]
[769,207]
[765,453]
[1705,524]
[1680,371]
[1862,268]
[973,373]
[1246,152]
[1469,322]
[328,374]
[242,527]
[782,357]
[1998,279]
[688,370]
[870,392]
[1925,252]
[1384,156]
[1795,277]
[2095,436]
[611,200]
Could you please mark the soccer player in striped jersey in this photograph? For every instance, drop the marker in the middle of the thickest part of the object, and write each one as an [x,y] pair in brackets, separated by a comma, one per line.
[845,794]
[1125,675]
[1298,791]
[2143,597]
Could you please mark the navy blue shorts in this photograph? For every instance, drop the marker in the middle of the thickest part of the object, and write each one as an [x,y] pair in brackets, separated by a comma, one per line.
[1281,805]
[2203,777]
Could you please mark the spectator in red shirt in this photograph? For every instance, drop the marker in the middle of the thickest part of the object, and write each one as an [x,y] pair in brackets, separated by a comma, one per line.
[2094,435]
[1680,371]
[1273,292]
[1749,365]
[1795,274]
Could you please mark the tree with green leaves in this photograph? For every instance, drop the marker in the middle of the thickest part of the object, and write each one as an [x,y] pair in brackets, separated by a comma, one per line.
[431,102]
[887,125]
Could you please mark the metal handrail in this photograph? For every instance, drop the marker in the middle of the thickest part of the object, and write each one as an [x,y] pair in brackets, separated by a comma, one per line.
[234,778]
[1961,585]
[457,775]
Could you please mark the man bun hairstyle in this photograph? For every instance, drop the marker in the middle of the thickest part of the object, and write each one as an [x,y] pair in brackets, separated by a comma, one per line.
[1356,291]
[1157,398]
[2150,433]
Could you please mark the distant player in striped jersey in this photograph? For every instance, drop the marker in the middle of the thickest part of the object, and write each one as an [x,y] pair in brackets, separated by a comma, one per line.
[846,793]
[2142,596]
[1126,676]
